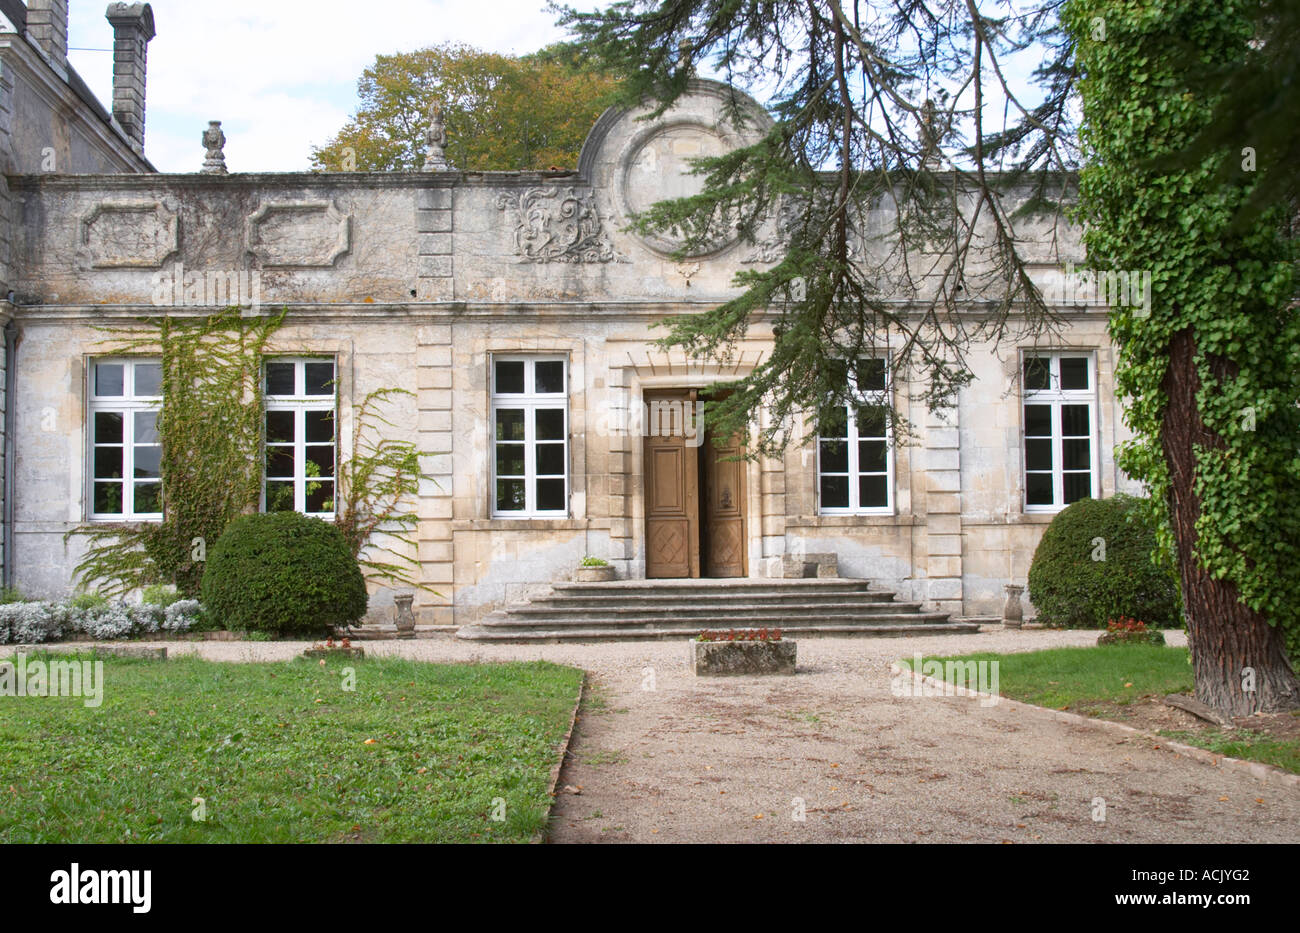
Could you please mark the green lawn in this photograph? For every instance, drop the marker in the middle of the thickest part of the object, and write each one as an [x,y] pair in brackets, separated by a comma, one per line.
[1075,677]
[280,753]
[1095,680]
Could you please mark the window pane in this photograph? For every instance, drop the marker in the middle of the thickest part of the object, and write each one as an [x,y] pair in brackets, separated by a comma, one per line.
[1037,372]
[145,427]
[510,495]
[320,460]
[1077,486]
[108,499]
[1038,420]
[873,492]
[279,427]
[872,457]
[319,378]
[108,463]
[279,461]
[835,457]
[510,377]
[510,424]
[834,422]
[148,380]
[147,462]
[1076,454]
[871,421]
[871,374]
[109,379]
[1038,488]
[148,497]
[319,427]
[1074,373]
[510,459]
[279,497]
[550,495]
[279,379]
[549,378]
[108,427]
[550,459]
[835,492]
[1038,455]
[320,497]
[1074,421]
[550,424]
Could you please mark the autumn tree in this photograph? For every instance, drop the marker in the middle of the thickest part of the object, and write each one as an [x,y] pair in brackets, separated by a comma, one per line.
[501,112]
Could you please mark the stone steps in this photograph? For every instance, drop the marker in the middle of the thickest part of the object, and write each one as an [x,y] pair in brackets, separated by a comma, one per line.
[641,609]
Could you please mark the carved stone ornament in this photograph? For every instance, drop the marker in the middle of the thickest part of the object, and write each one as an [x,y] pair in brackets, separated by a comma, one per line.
[129,234]
[435,142]
[214,142]
[555,224]
[298,234]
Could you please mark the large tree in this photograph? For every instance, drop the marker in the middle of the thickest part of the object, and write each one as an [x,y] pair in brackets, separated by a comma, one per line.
[501,112]
[1213,372]
[898,222]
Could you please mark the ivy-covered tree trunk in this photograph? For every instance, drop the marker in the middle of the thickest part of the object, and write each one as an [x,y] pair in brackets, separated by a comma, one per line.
[1239,660]
[1211,369]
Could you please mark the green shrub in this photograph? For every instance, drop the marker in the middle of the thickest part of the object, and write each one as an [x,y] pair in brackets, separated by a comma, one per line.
[283,573]
[89,602]
[1072,588]
[160,594]
[10,594]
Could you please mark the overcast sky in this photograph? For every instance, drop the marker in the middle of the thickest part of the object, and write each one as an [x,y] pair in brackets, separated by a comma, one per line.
[281,75]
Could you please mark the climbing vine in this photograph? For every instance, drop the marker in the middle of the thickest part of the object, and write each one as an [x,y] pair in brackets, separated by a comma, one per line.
[378,479]
[210,426]
[1213,368]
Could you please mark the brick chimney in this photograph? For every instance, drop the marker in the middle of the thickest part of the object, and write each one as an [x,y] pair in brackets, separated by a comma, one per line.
[132,29]
[47,25]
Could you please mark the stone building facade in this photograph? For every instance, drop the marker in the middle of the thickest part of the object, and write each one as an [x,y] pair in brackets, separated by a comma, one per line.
[520,313]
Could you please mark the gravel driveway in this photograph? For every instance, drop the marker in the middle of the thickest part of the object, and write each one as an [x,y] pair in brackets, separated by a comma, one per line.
[738,759]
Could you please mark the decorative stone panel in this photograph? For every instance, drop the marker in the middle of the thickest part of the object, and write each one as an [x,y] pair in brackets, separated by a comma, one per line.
[298,234]
[129,234]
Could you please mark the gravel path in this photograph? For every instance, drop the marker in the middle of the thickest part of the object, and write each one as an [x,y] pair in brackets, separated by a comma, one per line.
[734,759]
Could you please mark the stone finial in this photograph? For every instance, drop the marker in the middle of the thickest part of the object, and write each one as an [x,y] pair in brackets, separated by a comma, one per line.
[214,142]
[435,142]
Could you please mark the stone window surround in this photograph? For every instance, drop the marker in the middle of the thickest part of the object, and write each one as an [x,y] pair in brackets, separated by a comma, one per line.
[128,402]
[887,396]
[530,402]
[299,405]
[1097,437]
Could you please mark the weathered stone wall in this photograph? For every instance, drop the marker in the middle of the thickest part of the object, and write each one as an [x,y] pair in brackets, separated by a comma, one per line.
[414,280]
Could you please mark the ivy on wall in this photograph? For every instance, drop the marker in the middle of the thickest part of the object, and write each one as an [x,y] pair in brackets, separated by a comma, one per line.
[211,425]
[1212,371]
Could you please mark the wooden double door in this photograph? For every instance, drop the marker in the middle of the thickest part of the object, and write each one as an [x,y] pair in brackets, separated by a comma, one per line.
[694,493]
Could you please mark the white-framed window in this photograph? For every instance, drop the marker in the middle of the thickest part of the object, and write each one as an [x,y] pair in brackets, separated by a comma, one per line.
[301,436]
[855,453]
[124,450]
[1059,398]
[530,436]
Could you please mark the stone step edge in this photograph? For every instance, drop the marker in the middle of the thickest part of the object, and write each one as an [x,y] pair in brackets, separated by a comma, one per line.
[475,633]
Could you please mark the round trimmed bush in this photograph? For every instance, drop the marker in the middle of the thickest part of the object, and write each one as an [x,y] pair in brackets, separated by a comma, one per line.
[283,573]
[1071,587]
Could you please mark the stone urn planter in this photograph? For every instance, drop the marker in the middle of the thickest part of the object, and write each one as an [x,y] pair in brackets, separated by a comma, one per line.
[404,618]
[601,573]
[1013,614]
[728,658]
[345,649]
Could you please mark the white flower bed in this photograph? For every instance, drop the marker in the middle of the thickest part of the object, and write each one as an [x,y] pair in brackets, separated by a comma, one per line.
[41,621]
